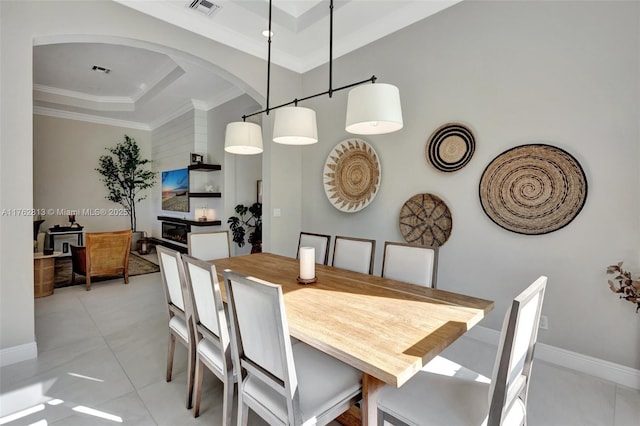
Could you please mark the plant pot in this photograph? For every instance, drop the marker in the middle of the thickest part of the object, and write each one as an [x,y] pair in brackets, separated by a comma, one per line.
[257,247]
[135,236]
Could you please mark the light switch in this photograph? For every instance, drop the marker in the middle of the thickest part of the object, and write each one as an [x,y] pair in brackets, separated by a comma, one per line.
[276,212]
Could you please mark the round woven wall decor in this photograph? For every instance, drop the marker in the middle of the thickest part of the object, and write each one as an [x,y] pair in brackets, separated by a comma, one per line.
[450,147]
[425,220]
[533,189]
[351,175]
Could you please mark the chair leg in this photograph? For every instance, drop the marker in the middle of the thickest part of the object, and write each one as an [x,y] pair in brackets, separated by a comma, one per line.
[88,284]
[172,349]
[197,387]
[126,277]
[243,410]
[190,374]
[227,400]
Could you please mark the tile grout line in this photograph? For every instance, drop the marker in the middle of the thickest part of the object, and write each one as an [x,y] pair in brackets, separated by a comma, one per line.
[135,389]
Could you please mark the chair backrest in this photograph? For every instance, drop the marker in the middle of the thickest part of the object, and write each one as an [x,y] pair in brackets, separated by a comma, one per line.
[260,335]
[354,254]
[209,318]
[410,263]
[172,273]
[107,252]
[514,359]
[208,245]
[204,291]
[320,242]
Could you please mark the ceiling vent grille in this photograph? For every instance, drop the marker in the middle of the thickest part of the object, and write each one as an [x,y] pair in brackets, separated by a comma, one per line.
[203,6]
[101,69]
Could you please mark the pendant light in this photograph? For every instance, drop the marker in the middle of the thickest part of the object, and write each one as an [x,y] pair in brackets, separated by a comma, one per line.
[244,138]
[372,109]
[295,126]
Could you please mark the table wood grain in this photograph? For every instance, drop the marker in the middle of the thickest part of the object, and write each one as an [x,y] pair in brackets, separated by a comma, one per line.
[385,328]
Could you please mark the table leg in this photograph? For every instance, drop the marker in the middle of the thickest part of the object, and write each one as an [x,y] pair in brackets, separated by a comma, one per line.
[371,386]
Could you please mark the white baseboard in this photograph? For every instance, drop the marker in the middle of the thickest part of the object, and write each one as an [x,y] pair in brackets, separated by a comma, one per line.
[613,372]
[18,353]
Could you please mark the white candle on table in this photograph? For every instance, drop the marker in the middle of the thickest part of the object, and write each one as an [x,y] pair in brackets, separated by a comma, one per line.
[211,214]
[307,263]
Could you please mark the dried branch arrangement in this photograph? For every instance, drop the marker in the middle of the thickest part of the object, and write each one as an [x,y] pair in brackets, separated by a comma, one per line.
[626,286]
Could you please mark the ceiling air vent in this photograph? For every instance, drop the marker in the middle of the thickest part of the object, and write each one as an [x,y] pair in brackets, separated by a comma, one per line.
[203,6]
[101,69]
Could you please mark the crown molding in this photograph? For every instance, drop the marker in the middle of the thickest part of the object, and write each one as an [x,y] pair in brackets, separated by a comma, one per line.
[51,112]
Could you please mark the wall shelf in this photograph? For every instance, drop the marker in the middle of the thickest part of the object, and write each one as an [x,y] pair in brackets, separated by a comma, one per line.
[205,194]
[190,221]
[204,167]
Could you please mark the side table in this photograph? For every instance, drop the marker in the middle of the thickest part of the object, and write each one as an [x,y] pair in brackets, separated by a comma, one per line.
[44,273]
[54,232]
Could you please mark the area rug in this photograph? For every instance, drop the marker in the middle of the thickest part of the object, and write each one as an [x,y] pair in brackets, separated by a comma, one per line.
[137,266]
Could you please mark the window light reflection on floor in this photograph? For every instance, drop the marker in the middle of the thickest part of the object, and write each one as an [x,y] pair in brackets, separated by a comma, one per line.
[85,377]
[20,414]
[97,413]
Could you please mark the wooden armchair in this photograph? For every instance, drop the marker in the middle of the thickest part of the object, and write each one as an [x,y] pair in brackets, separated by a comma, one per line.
[105,253]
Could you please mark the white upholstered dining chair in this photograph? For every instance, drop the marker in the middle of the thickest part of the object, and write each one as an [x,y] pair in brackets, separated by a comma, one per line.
[445,393]
[320,242]
[180,324]
[284,383]
[208,245]
[410,263]
[211,331]
[354,254]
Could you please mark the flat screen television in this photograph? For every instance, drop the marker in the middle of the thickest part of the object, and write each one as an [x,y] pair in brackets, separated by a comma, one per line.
[175,190]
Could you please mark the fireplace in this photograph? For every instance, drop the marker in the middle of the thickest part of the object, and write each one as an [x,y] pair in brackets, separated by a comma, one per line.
[175,232]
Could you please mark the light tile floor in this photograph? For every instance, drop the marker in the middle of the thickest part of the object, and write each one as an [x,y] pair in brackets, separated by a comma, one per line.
[102,360]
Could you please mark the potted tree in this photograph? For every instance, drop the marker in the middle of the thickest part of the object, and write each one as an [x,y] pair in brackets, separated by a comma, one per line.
[249,220]
[124,175]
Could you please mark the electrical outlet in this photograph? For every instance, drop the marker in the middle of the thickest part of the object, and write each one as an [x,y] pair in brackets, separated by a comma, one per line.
[544,322]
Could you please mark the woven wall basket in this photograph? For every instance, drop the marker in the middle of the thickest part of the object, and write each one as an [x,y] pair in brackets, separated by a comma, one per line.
[450,147]
[533,189]
[425,220]
[352,175]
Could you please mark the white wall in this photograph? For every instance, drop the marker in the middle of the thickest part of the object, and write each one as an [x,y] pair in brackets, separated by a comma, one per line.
[172,145]
[562,73]
[175,140]
[24,24]
[65,156]
[240,172]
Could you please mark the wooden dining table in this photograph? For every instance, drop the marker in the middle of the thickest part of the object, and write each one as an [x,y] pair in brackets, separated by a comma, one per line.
[385,328]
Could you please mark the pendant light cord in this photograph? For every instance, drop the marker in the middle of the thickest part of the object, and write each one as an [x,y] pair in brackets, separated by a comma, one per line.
[329,92]
[331,48]
[269,59]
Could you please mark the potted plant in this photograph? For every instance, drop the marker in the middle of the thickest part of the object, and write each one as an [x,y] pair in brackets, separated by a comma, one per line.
[627,287]
[242,224]
[124,174]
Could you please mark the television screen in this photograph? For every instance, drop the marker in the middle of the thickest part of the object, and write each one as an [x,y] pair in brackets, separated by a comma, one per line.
[175,190]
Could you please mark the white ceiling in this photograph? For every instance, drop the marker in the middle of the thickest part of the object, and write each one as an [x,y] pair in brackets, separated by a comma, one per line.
[145,89]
